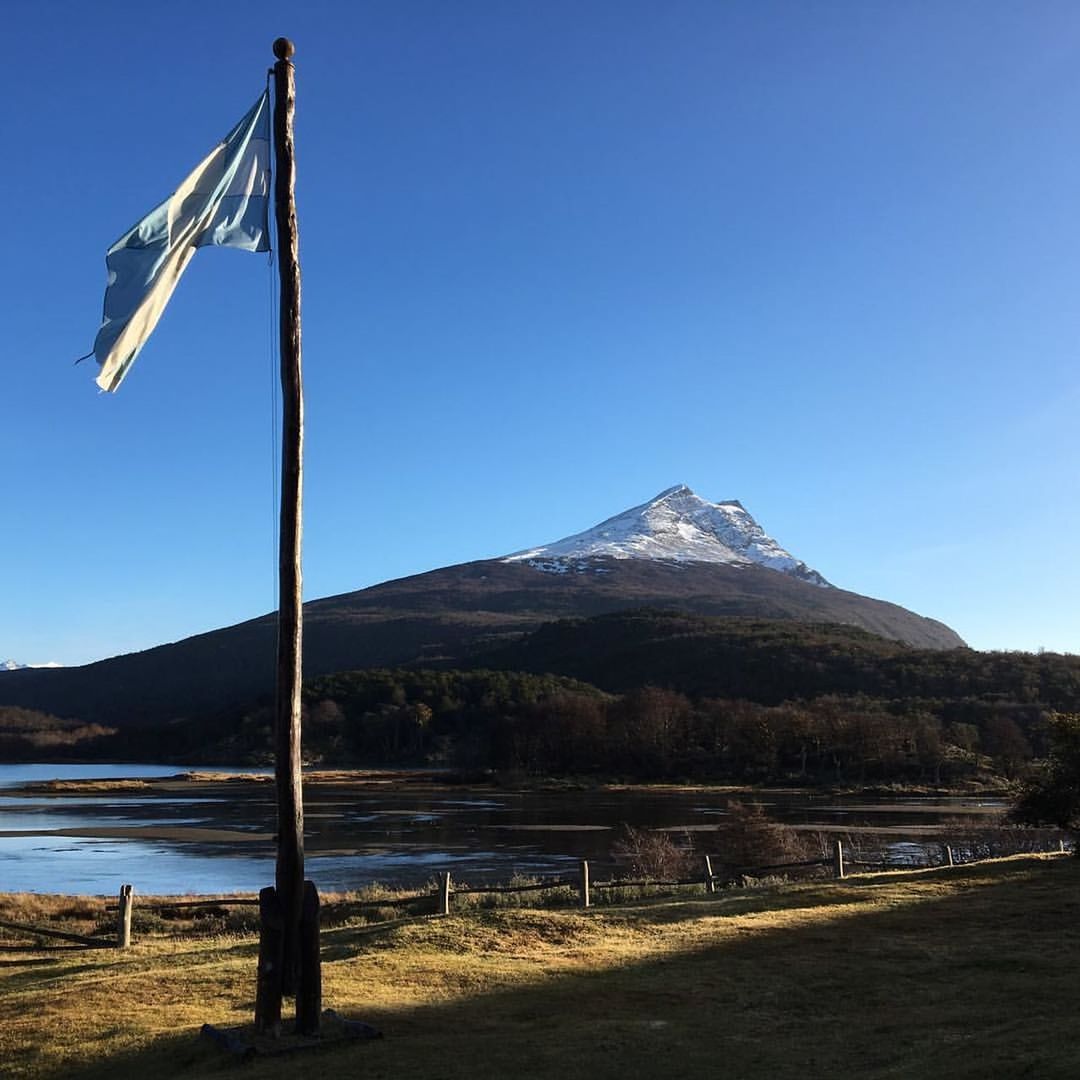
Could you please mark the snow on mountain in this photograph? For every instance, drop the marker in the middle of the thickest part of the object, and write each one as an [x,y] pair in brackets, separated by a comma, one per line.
[14,665]
[676,526]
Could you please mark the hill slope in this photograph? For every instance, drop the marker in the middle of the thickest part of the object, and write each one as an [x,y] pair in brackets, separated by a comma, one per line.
[442,617]
[676,551]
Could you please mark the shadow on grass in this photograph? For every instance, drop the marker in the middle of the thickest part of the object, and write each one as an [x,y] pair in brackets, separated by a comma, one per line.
[38,973]
[972,974]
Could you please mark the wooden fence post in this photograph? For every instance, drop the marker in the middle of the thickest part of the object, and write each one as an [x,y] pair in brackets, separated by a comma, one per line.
[584,883]
[1061,845]
[949,861]
[123,919]
[838,859]
[710,881]
[443,906]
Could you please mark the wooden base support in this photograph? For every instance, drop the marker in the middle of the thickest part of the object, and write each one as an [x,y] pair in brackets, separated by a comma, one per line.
[354,1029]
[227,1040]
[309,990]
[268,989]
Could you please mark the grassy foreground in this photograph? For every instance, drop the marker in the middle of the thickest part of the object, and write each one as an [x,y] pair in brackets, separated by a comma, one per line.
[970,972]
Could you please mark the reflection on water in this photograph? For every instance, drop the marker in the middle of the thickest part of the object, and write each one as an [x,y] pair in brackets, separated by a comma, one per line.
[359,835]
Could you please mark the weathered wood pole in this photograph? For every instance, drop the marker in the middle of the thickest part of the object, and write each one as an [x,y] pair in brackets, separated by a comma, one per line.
[123,918]
[309,995]
[710,881]
[444,894]
[1061,846]
[949,861]
[838,859]
[584,883]
[271,963]
[289,876]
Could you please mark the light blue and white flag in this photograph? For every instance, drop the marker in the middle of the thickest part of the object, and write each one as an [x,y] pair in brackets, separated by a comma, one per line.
[224,202]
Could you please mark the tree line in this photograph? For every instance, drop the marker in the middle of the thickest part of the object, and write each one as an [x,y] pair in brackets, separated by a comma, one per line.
[527,724]
[652,733]
[28,735]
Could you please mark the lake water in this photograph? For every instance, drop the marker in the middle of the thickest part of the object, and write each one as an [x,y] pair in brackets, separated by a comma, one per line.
[218,837]
[13,775]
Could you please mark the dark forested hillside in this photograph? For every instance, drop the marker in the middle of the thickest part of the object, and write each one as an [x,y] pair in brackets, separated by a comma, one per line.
[770,661]
[662,695]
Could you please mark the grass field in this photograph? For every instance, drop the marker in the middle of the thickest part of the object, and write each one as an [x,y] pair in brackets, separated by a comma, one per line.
[972,972]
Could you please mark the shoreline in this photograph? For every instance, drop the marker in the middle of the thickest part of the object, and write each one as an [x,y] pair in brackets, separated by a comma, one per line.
[215,831]
[447,780]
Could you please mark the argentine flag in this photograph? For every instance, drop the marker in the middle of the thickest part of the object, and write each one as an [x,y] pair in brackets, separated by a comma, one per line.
[224,202]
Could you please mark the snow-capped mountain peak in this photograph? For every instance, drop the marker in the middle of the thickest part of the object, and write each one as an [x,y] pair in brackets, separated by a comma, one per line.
[676,526]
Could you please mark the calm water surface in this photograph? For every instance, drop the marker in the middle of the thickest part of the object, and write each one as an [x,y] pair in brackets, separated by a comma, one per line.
[217,840]
[12,775]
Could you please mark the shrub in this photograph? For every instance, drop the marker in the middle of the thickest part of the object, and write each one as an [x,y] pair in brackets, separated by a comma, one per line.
[1052,796]
[653,854]
[748,839]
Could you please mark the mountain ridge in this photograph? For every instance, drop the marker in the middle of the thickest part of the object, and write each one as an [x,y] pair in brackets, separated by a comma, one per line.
[451,615]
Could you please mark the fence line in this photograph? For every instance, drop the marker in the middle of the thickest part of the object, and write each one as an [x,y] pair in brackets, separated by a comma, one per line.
[839,860]
[79,939]
[228,901]
[552,883]
[123,926]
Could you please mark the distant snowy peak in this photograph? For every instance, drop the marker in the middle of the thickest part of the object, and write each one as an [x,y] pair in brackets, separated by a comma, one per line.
[676,526]
[14,665]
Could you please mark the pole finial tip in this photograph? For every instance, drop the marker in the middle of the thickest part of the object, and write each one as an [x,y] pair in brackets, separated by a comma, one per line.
[284,48]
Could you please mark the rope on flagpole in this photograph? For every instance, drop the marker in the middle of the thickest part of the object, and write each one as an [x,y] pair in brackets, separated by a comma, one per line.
[275,410]
[275,391]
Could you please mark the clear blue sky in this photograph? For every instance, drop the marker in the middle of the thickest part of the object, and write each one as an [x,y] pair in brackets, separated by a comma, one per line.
[820,257]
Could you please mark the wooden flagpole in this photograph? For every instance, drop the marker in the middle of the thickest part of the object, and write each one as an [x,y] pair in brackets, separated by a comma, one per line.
[283,969]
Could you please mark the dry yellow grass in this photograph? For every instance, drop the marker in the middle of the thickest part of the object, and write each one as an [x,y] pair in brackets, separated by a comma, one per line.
[968,973]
